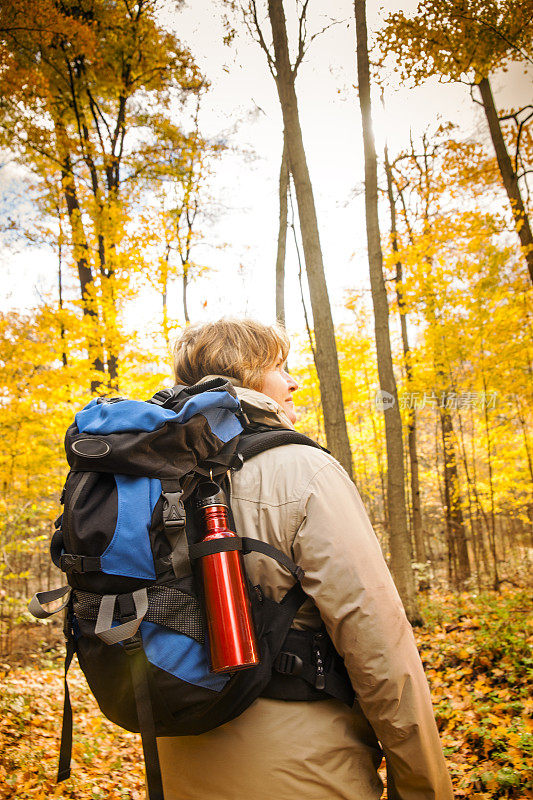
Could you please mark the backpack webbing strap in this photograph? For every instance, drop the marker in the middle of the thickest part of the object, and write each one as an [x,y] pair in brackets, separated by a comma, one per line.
[336,686]
[112,634]
[246,545]
[139,667]
[257,546]
[165,397]
[65,748]
[251,444]
[36,608]
[226,545]
[73,562]
[292,600]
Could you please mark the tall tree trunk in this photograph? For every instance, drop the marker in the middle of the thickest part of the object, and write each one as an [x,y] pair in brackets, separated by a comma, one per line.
[327,362]
[400,545]
[184,286]
[443,494]
[459,559]
[454,511]
[300,275]
[492,530]
[85,276]
[418,531]
[164,294]
[282,235]
[377,449]
[60,287]
[453,499]
[509,176]
[529,456]
[109,316]
[480,511]
[364,484]
[478,545]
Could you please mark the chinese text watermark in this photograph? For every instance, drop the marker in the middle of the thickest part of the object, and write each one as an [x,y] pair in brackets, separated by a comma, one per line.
[450,400]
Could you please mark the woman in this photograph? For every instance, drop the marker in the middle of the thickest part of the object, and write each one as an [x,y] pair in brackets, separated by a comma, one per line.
[300,500]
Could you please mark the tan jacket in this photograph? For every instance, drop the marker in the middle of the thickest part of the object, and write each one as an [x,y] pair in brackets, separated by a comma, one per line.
[300,500]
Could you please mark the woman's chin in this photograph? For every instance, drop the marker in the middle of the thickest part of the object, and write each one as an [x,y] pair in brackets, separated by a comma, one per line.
[291,413]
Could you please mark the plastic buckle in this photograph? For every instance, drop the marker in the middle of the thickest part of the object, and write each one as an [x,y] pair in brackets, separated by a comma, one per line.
[132,645]
[173,510]
[288,664]
[71,563]
[161,397]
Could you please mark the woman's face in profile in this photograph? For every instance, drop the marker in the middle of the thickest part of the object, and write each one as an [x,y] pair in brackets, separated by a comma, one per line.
[279,385]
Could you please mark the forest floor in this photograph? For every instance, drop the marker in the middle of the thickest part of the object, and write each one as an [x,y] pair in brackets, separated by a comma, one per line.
[477,654]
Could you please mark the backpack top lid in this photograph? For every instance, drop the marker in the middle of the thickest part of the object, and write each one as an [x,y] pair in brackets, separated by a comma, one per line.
[165,437]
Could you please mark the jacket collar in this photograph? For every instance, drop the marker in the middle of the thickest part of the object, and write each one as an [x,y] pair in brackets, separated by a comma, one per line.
[257,406]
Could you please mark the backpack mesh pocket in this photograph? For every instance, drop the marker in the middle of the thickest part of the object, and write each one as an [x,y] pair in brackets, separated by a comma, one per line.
[167,606]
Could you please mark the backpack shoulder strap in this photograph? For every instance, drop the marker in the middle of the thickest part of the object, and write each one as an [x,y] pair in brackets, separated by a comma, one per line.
[255,441]
[307,666]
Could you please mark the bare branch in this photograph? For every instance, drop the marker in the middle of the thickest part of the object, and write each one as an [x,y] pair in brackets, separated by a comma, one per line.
[300,273]
[518,135]
[260,39]
[302,35]
[95,108]
[301,56]
[474,99]
[514,114]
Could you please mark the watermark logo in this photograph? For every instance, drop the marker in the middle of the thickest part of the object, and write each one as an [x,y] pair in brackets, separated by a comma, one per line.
[383,400]
[449,400]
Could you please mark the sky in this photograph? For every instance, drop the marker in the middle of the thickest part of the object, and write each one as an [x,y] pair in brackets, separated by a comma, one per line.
[242,109]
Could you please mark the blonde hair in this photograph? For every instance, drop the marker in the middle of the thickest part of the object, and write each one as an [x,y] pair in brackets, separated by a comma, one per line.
[236,348]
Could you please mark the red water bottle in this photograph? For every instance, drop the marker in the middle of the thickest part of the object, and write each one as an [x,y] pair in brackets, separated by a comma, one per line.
[232,638]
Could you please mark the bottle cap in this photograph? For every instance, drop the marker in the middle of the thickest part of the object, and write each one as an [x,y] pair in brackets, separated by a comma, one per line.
[209,493]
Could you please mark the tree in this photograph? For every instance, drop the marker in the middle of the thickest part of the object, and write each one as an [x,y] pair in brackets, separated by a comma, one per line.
[421,172]
[36,391]
[282,235]
[418,531]
[399,534]
[467,40]
[88,93]
[172,228]
[481,343]
[284,73]
[463,287]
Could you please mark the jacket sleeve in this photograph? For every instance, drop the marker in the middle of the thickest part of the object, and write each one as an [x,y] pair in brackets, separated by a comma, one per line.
[348,579]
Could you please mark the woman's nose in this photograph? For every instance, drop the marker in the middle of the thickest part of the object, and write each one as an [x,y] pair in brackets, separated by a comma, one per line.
[292,384]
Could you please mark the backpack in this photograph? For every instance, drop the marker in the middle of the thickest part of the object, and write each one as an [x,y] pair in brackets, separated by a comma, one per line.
[129,543]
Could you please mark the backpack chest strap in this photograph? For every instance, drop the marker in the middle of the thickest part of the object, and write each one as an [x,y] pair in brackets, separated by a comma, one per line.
[245,545]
